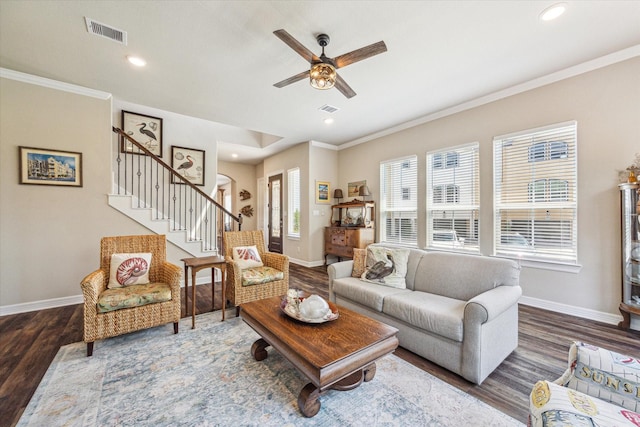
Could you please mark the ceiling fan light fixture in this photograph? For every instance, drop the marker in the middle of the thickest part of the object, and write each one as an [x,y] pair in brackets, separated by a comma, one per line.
[322,76]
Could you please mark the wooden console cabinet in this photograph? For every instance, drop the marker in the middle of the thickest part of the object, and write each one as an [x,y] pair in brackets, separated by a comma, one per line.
[352,226]
[340,241]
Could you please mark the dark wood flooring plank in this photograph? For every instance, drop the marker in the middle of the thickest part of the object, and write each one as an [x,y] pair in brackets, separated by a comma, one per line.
[29,342]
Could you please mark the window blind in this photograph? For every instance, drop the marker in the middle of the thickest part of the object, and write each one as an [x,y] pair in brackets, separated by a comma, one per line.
[453,198]
[399,201]
[536,194]
[293,227]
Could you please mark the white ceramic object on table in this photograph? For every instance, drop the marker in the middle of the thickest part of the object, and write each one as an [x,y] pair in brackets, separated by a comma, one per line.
[313,307]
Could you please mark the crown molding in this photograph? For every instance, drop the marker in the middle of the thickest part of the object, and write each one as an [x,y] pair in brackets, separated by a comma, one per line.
[52,84]
[585,67]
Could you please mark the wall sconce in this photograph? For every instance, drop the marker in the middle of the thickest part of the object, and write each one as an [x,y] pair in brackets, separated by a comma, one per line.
[364,192]
[337,194]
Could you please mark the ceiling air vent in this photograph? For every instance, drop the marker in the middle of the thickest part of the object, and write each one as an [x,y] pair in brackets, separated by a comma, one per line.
[328,108]
[99,29]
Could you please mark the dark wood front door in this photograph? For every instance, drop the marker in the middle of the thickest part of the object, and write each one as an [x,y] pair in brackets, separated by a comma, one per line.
[275,213]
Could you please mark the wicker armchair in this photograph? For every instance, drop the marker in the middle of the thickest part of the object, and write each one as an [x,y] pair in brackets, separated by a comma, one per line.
[98,325]
[237,293]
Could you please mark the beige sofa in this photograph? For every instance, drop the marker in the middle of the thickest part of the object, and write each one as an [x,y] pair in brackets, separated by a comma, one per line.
[459,311]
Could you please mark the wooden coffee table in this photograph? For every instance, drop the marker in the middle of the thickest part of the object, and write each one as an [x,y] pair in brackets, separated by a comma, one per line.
[337,355]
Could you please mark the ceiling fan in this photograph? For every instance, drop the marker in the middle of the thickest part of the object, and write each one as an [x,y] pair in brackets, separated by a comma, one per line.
[322,73]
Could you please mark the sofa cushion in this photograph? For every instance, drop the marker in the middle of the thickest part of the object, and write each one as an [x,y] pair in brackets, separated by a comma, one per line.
[247,257]
[386,266]
[260,275]
[605,374]
[364,293]
[553,405]
[433,313]
[462,276]
[359,262]
[128,269]
[133,296]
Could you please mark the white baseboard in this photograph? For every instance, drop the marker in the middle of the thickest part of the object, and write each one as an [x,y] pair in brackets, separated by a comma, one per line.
[26,307]
[586,313]
[308,264]
[572,310]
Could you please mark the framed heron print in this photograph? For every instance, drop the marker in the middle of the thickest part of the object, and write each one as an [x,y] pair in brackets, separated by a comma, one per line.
[189,163]
[42,166]
[146,130]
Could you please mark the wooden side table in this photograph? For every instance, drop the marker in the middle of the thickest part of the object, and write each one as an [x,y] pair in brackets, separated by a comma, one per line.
[197,264]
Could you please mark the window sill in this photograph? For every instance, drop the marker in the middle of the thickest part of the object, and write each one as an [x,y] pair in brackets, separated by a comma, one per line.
[564,267]
[290,237]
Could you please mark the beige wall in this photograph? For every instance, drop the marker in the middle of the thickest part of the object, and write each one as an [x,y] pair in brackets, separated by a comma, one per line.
[606,105]
[317,162]
[324,167]
[295,157]
[50,235]
[243,178]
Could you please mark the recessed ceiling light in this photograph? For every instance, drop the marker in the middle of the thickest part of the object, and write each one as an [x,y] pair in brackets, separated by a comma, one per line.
[136,60]
[328,121]
[552,12]
[234,155]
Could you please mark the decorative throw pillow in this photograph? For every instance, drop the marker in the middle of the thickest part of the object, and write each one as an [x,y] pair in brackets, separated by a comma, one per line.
[386,266]
[129,269]
[247,257]
[359,259]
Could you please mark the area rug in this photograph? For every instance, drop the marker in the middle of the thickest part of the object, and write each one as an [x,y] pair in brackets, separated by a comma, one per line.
[207,377]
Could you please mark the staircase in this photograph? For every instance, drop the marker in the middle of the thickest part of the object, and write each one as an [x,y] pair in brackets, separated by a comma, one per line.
[150,192]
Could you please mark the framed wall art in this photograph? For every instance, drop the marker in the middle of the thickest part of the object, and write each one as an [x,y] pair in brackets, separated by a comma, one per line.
[42,166]
[322,192]
[147,130]
[189,163]
[353,188]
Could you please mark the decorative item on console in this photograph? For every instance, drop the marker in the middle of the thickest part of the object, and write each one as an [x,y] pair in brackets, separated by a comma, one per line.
[247,211]
[631,174]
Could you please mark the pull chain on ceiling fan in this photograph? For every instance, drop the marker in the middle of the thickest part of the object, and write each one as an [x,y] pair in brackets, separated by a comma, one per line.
[322,74]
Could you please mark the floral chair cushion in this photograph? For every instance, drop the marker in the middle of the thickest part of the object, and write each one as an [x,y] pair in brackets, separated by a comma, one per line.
[133,296]
[259,275]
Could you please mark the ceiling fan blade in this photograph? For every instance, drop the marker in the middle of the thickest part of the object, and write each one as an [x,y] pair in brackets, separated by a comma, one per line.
[293,79]
[297,46]
[343,87]
[360,54]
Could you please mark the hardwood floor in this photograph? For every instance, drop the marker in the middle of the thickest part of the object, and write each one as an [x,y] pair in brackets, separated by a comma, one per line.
[29,341]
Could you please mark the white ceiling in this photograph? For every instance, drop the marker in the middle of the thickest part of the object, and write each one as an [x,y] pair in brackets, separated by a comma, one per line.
[218,60]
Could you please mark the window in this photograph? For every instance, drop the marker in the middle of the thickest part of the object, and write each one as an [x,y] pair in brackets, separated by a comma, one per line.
[406,193]
[453,198]
[548,150]
[445,160]
[398,204]
[535,194]
[293,227]
[545,190]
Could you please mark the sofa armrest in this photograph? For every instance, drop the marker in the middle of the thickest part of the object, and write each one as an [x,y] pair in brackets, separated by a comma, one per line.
[278,261]
[171,275]
[93,285]
[491,304]
[338,270]
[602,373]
